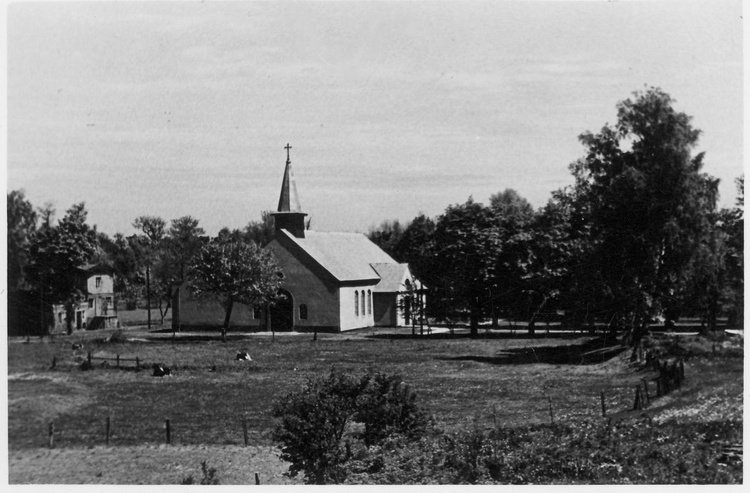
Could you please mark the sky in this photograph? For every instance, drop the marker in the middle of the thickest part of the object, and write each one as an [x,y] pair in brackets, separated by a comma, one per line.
[391,108]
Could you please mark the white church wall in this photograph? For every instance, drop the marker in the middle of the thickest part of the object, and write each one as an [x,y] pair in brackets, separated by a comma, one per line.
[352,314]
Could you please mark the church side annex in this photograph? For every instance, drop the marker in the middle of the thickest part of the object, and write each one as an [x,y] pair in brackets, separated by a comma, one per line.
[333,282]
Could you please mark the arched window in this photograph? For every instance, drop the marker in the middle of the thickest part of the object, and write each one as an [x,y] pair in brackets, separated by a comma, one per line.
[356,303]
[363,302]
[302,311]
[369,302]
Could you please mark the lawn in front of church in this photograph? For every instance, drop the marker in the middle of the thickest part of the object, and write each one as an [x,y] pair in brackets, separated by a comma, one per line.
[463,382]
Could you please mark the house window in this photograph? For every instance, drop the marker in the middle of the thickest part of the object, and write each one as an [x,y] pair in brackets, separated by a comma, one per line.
[98,281]
[302,311]
[256,313]
[91,303]
[363,302]
[59,317]
[369,302]
[356,303]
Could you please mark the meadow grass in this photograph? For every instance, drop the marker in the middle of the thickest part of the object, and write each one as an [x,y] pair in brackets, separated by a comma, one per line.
[462,382]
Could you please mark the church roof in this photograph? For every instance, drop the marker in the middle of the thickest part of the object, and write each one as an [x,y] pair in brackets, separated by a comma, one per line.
[347,256]
[392,276]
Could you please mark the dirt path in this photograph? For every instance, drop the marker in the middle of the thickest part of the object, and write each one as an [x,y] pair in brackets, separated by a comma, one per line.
[145,465]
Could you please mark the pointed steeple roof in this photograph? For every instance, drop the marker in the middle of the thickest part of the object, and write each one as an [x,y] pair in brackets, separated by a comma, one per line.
[289,215]
[288,199]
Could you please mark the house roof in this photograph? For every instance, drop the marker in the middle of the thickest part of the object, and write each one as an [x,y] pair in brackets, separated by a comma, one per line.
[92,269]
[392,276]
[347,256]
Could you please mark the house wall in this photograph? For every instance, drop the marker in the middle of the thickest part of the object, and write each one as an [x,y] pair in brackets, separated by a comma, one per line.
[192,312]
[349,317]
[106,284]
[60,320]
[309,285]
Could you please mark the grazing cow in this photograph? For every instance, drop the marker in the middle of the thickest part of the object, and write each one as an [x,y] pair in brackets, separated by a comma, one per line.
[161,371]
[242,355]
[77,346]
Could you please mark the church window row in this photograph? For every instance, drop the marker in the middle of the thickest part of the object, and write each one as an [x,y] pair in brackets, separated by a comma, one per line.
[361,296]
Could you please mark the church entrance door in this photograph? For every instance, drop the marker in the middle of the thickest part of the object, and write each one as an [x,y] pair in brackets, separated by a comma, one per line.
[282,313]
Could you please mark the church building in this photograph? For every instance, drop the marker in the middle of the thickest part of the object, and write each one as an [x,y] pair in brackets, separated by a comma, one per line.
[332,282]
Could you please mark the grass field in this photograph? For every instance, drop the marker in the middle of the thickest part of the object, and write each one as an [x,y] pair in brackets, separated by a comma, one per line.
[486,382]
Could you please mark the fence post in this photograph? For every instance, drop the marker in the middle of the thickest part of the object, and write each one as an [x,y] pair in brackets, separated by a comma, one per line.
[551,416]
[257,478]
[108,428]
[645,391]
[169,437]
[137,363]
[637,405]
[89,358]
[604,408]
[118,361]
[682,370]
[244,428]
[51,434]
[54,362]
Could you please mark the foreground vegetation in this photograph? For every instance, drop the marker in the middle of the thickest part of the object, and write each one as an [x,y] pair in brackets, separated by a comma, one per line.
[505,410]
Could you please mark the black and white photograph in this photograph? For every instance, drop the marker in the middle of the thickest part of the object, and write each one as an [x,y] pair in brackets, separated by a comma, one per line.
[408,242]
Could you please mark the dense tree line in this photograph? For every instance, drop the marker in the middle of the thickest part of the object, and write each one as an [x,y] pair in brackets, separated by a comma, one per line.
[635,236]
[45,257]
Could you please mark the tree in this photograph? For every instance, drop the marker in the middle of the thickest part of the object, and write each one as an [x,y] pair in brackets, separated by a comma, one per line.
[57,253]
[172,259]
[46,213]
[314,420]
[127,258]
[514,216]
[649,206]
[21,224]
[387,235]
[467,244]
[556,246]
[733,225]
[261,232]
[235,272]
[153,233]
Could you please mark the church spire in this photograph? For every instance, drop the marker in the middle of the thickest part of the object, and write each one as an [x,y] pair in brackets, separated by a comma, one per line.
[289,213]
[288,199]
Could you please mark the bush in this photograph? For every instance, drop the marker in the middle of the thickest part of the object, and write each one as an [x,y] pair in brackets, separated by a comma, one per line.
[209,476]
[315,419]
[388,407]
[585,452]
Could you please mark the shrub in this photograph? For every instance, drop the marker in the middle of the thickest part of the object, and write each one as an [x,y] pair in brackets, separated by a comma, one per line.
[388,407]
[314,420]
[587,452]
[209,476]
[117,336]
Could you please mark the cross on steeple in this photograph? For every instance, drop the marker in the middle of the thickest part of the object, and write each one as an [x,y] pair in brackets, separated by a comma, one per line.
[287,147]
